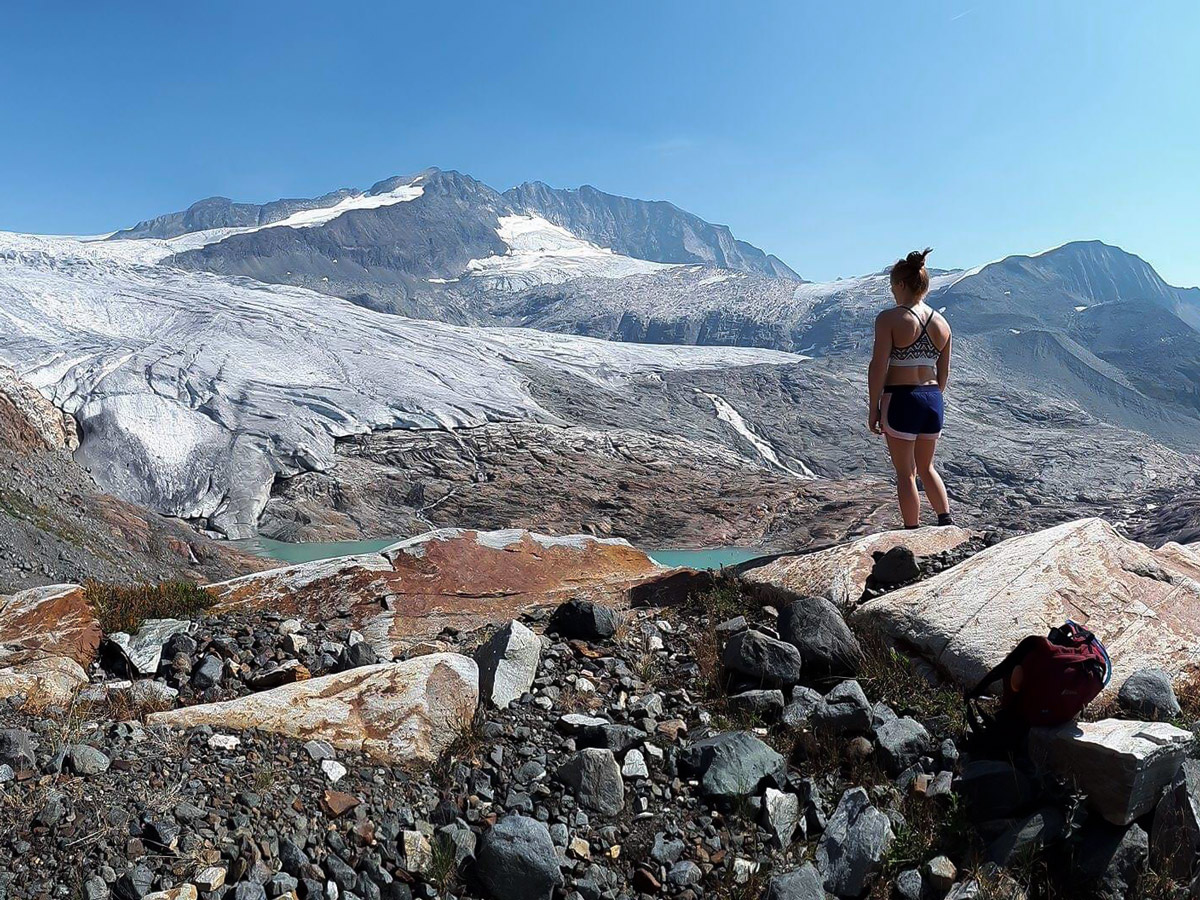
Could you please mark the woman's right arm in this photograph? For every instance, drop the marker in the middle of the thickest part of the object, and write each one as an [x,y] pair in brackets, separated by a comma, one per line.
[943,365]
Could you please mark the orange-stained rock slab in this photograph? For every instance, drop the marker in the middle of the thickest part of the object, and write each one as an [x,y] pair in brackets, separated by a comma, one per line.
[840,573]
[453,577]
[47,636]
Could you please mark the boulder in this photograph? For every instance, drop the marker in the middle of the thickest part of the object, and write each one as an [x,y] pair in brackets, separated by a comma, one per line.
[508,664]
[845,709]
[804,883]
[995,789]
[594,776]
[840,573]
[896,566]
[1149,694]
[1175,834]
[1111,858]
[732,765]
[517,860]
[902,742]
[762,657]
[398,712]
[781,815]
[48,635]
[1026,836]
[766,704]
[805,704]
[1144,604]
[584,620]
[852,848]
[455,578]
[1121,765]
[815,627]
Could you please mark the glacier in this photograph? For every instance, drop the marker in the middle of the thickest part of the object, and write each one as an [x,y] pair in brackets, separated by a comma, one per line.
[195,391]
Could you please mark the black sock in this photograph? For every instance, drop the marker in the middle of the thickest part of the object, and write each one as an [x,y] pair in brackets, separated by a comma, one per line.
[911,527]
[944,519]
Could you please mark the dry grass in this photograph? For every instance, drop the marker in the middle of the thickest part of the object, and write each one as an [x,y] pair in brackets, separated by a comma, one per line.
[123,607]
[887,673]
[1187,690]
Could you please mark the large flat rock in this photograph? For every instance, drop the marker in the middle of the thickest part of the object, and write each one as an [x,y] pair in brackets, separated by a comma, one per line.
[398,712]
[1122,765]
[47,636]
[840,573]
[453,577]
[1144,604]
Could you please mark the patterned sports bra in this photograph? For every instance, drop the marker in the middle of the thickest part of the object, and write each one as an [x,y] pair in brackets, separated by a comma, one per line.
[922,351]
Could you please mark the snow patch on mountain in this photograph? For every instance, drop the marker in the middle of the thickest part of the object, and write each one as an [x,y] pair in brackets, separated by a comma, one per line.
[543,253]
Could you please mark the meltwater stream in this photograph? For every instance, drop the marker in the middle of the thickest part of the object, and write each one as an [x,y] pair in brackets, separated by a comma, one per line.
[711,558]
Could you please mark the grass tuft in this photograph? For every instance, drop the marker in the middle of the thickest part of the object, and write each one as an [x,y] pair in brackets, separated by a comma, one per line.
[124,607]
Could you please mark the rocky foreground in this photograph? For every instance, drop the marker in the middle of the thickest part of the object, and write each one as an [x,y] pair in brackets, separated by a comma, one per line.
[504,715]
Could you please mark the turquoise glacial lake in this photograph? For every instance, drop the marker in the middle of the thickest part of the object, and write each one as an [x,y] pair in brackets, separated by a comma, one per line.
[284,551]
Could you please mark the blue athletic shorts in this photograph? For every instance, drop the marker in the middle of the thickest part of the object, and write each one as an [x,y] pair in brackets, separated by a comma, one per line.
[912,412]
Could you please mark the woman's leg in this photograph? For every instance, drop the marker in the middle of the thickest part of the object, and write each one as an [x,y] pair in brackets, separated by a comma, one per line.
[935,490]
[906,479]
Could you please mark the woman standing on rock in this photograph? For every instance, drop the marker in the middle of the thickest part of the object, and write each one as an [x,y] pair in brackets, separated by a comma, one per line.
[906,379]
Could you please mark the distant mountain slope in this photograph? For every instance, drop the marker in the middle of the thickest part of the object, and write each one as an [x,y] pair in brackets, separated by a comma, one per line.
[396,247]
[653,230]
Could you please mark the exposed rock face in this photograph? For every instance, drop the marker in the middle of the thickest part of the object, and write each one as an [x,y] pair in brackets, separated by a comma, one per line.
[465,579]
[57,430]
[47,636]
[1175,835]
[1144,604]
[840,573]
[1122,765]
[400,712]
[653,489]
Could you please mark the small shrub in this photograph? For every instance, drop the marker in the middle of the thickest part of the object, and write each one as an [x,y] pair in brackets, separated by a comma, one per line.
[123,607]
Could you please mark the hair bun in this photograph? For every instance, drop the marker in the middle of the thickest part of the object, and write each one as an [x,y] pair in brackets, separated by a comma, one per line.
[917,257]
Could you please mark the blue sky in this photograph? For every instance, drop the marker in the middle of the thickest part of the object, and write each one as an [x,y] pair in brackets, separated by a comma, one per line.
[836,135]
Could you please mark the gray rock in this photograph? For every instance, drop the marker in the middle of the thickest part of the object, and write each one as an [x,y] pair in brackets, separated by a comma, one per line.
[1149,694]
[733,764]
[804,883]
[766,703]
[816,628]
[53,810]
[803,706]
[846,709]
[762,657]
[208,674]
[358,655]
[1175,834]
[939,874]
[666,852]
[134,884]
[16,749]
[634,765]
[684,874]
[85,760]
[901,743]
[249,890]
[1111,858]
[95,888]
[517,860]
[595,778]
[909,885]
[508,663]
[852,848]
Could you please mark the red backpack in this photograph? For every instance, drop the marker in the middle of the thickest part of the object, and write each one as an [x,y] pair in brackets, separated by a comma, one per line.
[1060,675]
